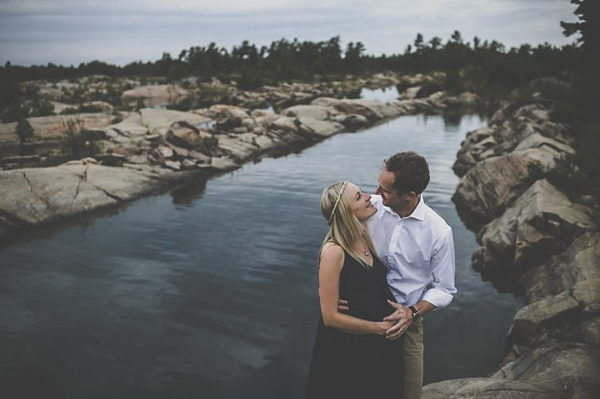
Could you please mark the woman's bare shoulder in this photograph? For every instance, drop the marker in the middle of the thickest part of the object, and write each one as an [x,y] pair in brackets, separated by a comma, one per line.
[332,254]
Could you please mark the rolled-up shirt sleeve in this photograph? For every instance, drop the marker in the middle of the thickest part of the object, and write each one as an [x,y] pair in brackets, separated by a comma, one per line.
[440,292]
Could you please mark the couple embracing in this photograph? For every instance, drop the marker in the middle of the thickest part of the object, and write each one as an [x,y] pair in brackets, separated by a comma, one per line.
[386,260]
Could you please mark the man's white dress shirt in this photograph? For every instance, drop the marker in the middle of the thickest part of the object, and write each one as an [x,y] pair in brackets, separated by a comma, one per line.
[418,249]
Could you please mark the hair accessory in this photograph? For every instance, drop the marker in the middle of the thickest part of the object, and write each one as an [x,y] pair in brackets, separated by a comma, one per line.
[337,201]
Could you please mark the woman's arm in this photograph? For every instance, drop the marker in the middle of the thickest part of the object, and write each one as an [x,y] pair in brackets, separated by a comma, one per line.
[330,267]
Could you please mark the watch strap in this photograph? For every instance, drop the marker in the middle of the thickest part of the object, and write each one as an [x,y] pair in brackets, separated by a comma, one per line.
[415,313]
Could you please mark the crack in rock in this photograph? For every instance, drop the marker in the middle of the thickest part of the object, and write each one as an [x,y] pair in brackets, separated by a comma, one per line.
[82,179]
[44,200]
[108,194]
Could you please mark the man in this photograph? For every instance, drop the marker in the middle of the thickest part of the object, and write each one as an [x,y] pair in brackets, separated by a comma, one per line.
[417,246]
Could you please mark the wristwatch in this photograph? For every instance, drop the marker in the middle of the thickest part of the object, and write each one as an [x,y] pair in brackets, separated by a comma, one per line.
[416,314]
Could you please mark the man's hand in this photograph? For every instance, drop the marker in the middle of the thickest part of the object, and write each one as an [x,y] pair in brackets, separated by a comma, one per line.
[343,306]
[402,319]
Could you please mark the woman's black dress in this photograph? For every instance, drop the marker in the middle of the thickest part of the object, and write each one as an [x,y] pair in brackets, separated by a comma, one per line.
[346,365]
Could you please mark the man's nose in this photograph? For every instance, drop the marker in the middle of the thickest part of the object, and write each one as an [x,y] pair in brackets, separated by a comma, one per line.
[378,190]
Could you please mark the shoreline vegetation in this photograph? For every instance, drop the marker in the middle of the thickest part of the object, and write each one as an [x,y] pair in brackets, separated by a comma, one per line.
[529,187]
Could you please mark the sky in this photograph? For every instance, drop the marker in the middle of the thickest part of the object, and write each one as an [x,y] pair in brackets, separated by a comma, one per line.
[68,32]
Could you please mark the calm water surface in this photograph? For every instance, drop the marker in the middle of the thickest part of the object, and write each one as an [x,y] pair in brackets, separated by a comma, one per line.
[385,94]
[211,291]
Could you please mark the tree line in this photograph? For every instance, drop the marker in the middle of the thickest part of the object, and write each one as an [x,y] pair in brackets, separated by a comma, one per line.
[285,60]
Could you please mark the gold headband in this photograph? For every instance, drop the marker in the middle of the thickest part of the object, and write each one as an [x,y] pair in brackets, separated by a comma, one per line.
[337,201]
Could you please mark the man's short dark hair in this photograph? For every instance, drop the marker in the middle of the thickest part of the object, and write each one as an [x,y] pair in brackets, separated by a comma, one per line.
[411,172]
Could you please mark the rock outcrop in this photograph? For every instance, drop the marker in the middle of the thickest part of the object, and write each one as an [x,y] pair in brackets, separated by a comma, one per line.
[493,184]
[206,140]
[551,371]
[541,222]
[155,95]
[36,196]
[545,245]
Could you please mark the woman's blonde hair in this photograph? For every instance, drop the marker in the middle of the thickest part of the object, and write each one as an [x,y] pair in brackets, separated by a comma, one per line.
[345,229]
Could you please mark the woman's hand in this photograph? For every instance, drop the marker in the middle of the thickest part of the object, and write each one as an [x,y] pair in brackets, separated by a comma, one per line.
[343,306]
[401,319]
[382,327]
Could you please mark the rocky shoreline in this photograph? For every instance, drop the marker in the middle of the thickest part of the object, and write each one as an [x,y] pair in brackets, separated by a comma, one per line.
[538,242]
[151,149]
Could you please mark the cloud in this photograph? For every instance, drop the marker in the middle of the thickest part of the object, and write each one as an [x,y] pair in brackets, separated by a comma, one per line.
[68,31]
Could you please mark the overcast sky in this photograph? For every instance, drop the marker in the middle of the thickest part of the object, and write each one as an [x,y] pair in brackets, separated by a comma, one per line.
[120,31]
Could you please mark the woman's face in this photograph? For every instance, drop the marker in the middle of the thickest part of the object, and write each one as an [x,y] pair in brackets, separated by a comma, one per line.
[360,202]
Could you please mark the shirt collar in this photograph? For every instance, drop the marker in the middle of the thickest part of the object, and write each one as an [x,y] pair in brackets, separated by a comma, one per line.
[418,213]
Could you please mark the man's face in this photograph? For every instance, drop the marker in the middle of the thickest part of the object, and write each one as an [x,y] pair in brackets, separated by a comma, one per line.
[385,188]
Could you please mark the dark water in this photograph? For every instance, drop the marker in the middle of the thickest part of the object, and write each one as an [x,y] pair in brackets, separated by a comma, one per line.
[211,291]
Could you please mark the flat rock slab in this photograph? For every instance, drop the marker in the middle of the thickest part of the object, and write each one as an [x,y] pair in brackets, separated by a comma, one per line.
[154,95]
[8,135]
[551,371]
[317,112]
[40,195]
[132,125]
[314,127]
[60,107]
[372,110]
[569,370]
[53,127]
[484,388]
[162,119]
[238,148]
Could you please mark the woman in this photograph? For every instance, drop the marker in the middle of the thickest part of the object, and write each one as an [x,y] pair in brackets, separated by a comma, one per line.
[351,356]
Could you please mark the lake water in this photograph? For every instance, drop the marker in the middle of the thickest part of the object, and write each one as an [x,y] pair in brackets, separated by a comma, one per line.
[211,291]
[384,94]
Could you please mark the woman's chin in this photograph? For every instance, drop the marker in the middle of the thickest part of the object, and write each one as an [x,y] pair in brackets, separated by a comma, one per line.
[374,211]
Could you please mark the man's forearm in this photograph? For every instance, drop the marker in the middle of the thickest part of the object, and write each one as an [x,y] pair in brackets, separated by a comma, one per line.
[424,307]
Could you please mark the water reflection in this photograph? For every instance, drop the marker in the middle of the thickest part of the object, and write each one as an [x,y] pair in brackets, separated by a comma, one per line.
[191,192]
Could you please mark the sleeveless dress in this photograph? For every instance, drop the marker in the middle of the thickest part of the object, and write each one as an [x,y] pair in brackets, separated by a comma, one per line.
[347,365]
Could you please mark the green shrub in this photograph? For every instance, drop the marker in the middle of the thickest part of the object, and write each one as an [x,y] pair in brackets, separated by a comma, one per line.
[69,111]
[118,117]
[177,72]
[78,143]
[24,130]
[16,111]
[184,105]
[428,89]
[250,80]
[453,83]
[140,104]
[41,108]
[90,108]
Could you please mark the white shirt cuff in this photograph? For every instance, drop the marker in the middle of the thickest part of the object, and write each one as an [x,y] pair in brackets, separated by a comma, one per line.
[437,297]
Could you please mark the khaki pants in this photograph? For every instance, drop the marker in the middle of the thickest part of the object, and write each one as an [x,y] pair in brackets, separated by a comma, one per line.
[413,360]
